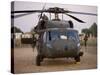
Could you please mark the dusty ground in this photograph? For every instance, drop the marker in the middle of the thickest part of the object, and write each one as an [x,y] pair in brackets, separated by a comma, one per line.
[25,61]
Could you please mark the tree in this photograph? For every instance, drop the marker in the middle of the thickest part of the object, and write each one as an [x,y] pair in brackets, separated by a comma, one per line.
[16,30]
[93,29]
[86,31]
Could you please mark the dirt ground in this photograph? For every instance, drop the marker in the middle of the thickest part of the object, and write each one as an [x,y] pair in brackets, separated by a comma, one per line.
[24,61]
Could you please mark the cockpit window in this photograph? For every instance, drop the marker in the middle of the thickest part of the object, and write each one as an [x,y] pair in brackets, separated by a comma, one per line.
[54,35]
[73,35]
[63,37]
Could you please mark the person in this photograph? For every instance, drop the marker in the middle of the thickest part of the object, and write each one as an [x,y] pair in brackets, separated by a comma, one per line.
[34,41]
[85,40]
[44,17]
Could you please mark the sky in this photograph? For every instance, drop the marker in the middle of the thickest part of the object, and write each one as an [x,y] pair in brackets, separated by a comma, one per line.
[28,22]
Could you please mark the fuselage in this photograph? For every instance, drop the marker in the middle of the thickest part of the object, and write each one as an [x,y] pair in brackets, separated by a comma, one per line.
[59,40]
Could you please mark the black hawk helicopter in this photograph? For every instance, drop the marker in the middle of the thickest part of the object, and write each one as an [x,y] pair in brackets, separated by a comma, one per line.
[57,37]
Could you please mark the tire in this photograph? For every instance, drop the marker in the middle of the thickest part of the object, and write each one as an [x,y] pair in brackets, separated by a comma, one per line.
[77,59]
[41,58]
[81,54]
[38,60]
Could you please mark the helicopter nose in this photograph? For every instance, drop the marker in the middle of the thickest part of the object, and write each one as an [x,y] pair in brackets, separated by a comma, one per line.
[64,45]
[66,48]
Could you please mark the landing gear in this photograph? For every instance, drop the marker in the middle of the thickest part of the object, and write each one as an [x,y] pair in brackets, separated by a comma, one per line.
[39,59]
[77,58]
[81,54]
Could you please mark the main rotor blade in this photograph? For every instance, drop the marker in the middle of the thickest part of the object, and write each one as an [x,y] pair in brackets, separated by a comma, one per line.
[28,11]
[52,11]
[83,13]
[75,18]
[20,15]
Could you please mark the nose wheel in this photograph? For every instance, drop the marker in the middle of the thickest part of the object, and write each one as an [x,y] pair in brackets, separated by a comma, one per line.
[77,58]
[38,62]
[39,59]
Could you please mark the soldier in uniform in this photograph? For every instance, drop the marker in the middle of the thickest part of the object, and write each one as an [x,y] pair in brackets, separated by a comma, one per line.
[85,40]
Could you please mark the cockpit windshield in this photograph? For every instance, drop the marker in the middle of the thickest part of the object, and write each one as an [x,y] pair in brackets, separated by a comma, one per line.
[73,35]
[69,34]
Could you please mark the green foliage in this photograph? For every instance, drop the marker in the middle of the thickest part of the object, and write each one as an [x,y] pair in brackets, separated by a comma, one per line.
[92,30]
[86,31]
[16,30]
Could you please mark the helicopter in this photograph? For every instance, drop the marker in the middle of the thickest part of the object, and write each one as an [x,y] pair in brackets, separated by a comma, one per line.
[57,37]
